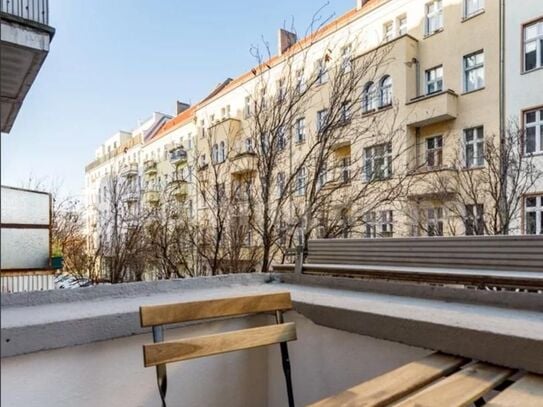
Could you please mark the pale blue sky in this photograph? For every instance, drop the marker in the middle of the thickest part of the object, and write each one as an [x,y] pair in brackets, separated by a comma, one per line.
[114,62]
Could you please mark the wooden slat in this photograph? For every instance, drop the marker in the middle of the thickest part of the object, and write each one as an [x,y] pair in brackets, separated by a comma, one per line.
[526,392]
[191,348]
[461,389]
[191,311]
[396,384]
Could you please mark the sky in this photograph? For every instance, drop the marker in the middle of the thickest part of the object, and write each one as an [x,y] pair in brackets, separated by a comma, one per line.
[113,63]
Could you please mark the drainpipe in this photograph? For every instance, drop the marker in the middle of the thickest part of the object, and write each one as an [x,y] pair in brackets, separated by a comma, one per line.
[503,140]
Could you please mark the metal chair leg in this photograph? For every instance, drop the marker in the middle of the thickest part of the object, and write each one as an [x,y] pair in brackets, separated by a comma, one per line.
[161,374]
[286,363]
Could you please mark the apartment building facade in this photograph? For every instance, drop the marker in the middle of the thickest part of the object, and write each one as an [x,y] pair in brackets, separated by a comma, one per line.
[430,86]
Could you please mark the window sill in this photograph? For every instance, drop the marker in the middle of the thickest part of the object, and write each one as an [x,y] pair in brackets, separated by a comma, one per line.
[377,110]
[534,154]
[539,68]
[298,143]
[428,35]
[473,15]
[473,91]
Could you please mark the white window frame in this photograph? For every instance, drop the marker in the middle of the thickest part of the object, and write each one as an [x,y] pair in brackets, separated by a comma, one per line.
[433,10]
[299,129]
[479,7]
[369,102]
[385,91]
[536,41]
[321,119]
[432,80]
[345,170]
[475,219]
[401,25]
[477,144]
[388,31]
[300,82]
[322,71]
[436,152]
[477,67]
[537,125]
[370,158]
[538,210]
[346,58]
[301,181]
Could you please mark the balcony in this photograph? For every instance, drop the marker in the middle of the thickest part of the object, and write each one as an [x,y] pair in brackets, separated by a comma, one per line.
[179,188]
[178,156]
[26,36]
[243,163]
[225,129]
[129,170]
[131,196]
[349,331]
[151,196]
[431,109]
[150,167]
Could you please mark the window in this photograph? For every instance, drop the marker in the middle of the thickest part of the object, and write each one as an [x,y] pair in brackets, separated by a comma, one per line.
[345,113]
[378,224]
[280,183]
[534,215]
[301,181]
[434,221]
[281,138]
[281,90]
[321,119]
[368,97]
[300,130]
[346,55]
[247,107]
[534,131]
[472,7]
[434,151]
[345,170]
[434,80]
[474,222]
[248,145]
[388,31]
[434,16]
[533,46]
[322,71]
[323,175]
[474,147]
[300,85]
[215,153]
[222,152]
[401,23]
[474,71]
[378,162]
[385,91]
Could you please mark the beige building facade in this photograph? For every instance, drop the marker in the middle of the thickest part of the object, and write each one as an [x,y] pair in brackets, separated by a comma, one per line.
[408,94]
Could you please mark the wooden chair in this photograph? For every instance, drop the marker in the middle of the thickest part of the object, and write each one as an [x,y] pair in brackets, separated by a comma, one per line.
[160,353]
[445,381]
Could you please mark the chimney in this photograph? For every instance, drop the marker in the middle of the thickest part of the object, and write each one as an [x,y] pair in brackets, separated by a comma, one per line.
[181,107]
[286,40]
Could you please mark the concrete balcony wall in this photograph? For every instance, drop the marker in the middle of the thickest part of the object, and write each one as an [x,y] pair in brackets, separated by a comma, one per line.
[431,109]
[243,163]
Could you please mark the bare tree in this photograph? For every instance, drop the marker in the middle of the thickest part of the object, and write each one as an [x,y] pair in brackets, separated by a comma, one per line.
[486,181]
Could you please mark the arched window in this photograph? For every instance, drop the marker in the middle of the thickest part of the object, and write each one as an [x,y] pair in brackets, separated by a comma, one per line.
[368,97]
[222,153]
[385,91]
[215,153]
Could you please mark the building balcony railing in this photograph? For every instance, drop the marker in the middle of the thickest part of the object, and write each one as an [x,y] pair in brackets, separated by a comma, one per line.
[150,167]
[32,10]
[243,163]
[131,196]
[178,156]
[179,188]
[151,196]
[129,170]
[433,108]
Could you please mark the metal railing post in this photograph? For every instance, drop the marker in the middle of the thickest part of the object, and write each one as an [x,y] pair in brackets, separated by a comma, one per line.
[286,362]
[161,376]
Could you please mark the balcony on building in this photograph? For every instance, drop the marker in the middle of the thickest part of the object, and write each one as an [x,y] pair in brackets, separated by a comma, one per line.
[179,188]
[129,170]
[433,108]
[150,167]
[178,155]
[132,195]
[243,163]
[26,36]
[151,195]
[226,128]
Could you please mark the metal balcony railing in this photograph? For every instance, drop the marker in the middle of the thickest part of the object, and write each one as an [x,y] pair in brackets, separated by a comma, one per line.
[33,10]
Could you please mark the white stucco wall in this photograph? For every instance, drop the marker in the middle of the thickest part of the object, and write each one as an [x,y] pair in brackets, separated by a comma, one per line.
[111,373]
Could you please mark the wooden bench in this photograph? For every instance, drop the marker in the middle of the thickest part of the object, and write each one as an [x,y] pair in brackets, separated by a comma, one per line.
[504,261]
[444,381]
[160,353]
